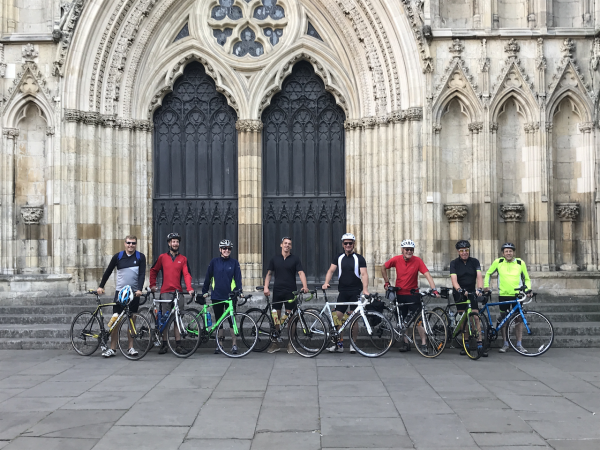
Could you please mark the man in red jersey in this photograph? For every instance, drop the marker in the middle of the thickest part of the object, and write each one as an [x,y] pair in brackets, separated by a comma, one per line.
[408,267]
[173,265]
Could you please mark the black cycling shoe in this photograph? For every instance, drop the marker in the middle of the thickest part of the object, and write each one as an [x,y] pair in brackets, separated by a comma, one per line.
[217,351]
[181,351]
[163,349]
[462,352]
[404,348]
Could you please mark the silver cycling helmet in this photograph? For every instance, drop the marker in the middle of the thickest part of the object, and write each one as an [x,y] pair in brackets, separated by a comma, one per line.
[348,236]
[407,243]
[225,243]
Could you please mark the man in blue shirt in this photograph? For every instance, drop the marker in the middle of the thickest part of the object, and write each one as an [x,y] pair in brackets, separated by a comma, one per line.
[223,276]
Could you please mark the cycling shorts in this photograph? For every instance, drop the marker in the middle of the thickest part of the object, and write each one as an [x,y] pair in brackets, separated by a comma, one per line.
[508,306]
[168,306]
[218,310]
[343,297]
[133,305]
[408,303]
[281,296]
[459,297]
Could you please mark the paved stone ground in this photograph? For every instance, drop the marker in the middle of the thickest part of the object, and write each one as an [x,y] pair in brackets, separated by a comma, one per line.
[57,400]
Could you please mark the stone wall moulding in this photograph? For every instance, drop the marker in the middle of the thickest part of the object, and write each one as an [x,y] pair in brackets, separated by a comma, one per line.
[411,114]
[32,215]
[249,125]
[512,212]
[455,213]
[10,133]
[106,120]
[513,76]
[567,212]
[63,33]
[29,81]
[456,76]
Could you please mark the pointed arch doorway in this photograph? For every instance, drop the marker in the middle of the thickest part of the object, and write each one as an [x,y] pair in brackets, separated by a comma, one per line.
[303,172]
[195,170]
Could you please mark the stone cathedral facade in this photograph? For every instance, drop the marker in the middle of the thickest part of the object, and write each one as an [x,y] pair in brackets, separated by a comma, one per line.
[251,120]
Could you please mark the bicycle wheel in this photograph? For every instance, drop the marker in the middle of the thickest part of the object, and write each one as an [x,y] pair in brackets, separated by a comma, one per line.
[471,336]
[434,330]
[539,338]
[183,334]
[485,326]
[148,314]
[375,342]
[307,333]
[323,317]
[134,341]
[229,343]
[263,328]
[85,333]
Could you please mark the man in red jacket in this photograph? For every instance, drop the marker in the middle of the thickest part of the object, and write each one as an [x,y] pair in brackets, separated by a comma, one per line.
[173,265]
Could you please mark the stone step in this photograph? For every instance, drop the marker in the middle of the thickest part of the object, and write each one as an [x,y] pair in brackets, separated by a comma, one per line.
[35,344]
[25,319]
[36,301]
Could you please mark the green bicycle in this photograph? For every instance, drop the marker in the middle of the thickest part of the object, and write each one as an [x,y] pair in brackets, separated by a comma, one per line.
[231,343]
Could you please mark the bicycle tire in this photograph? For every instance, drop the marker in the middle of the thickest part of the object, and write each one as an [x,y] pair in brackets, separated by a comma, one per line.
[226,342]
[148,314]
[189,334]
[377,322]
[470,336]
[141,340]
[435,334]
[484,331]
[307,333]
[323,317]
[541,337]
[85,323]
[390,314]
[263,328]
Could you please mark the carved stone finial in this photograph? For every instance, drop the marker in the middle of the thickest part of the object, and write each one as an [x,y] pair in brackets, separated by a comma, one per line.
[512,48]
[567,48]
[457,47]
[32,214]
[29,52]
[455,213]
[567,212]
[512,212]
[249,125]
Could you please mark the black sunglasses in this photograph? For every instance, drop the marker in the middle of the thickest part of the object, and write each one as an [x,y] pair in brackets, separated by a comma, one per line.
[226,248]
[349,243]
[131,243]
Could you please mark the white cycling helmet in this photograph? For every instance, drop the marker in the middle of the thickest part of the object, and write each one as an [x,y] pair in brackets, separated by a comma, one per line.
[125,295]
[349,236]
[407,243]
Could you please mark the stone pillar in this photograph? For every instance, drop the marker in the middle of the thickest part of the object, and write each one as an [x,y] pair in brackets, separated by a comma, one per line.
[567,213]
[512,213]
[8,262]
[250,200]
[456,215]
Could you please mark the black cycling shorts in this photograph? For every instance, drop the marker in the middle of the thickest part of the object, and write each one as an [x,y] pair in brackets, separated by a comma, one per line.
[459,297]
[281,297]
[344,297]
[508,306]
[408,303]
[218,310]
[133,305]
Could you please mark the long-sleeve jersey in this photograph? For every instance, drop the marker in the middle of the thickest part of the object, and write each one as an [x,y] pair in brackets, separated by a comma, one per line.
[511,276]
[172,269]
[131,271]
[223,276]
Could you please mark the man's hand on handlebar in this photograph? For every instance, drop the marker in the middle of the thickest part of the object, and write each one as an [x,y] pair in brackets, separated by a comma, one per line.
[266,291]
[386,285]
[191,292]
[153,288]
[138,293]
[100,291]
[365,293]
[325,286]
[304,290]
[435,293]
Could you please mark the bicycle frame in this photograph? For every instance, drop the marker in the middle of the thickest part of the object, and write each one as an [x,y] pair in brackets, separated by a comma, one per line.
[518,307]
[360,308]
[228,312]
[406,322]
[174,310]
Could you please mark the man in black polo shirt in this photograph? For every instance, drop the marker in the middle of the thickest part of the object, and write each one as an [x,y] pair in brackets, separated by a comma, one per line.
[467,280]
[284,266]
[353,279]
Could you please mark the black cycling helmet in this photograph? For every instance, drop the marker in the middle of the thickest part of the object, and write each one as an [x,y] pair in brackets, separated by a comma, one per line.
[174,235]
[463,244]
[509,245]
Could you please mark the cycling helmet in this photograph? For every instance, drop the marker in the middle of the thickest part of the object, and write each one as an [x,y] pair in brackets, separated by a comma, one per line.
[407,243]
[125,295]
[174,235]
[463,244]
[509,245]
[348,236]
[225,243]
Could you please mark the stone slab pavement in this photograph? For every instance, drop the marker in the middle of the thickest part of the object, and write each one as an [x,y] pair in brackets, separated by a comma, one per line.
[52,399]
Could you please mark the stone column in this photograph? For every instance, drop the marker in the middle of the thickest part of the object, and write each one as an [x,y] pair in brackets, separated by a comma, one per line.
[512,213]
[456,215]
[567,213]
[250,200]
[8,261]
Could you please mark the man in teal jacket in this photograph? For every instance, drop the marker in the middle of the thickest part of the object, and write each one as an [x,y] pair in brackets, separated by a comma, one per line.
[512,274]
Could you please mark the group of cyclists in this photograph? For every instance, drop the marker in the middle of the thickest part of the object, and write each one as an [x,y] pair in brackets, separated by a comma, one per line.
[223,276]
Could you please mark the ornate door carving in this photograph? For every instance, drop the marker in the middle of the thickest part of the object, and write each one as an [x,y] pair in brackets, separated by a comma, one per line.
[195,169]
[303,172]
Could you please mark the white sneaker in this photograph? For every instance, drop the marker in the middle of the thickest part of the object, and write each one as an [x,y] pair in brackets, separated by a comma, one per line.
[336,348]
[522,349]
[352,349]
[503,349]
[108,353]
[133,352]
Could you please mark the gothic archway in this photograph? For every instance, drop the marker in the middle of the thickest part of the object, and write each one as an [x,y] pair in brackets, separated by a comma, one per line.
[195,169]
[303,172]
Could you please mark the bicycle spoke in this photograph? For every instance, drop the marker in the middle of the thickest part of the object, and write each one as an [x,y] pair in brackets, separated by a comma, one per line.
[535,341]
[183,335]
[375,342]
[85,333]
[307,334]
[434,331]
[135,337]
[236,346]
[263,329]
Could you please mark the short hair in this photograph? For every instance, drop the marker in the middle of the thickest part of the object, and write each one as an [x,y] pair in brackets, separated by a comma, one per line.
[131,236]
[286,238]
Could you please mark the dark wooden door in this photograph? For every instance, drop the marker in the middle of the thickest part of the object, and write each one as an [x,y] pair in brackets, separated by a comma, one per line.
[195,170]
[303,172]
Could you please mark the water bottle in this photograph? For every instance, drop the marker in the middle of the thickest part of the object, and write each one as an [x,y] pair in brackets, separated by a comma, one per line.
[275,316]
[159,317]
[452,318]
[112,320]
[283,318]
[458,317]
[208,320]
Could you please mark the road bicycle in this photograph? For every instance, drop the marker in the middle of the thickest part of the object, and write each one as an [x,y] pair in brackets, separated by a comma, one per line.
[173,324]
[536,329]
[88,331]
[467,327]
[237,322]
[371,332]
[306,330]
[430,323]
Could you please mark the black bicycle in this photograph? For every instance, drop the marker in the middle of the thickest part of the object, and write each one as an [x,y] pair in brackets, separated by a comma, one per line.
[306,330]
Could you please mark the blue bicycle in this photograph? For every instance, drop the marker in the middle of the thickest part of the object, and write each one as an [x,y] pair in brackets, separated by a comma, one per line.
[531,328]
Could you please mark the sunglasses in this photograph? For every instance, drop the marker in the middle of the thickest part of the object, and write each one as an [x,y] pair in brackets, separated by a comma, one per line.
[409,249]
[348,243]
[131,243]
[464,250]
[226,248]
